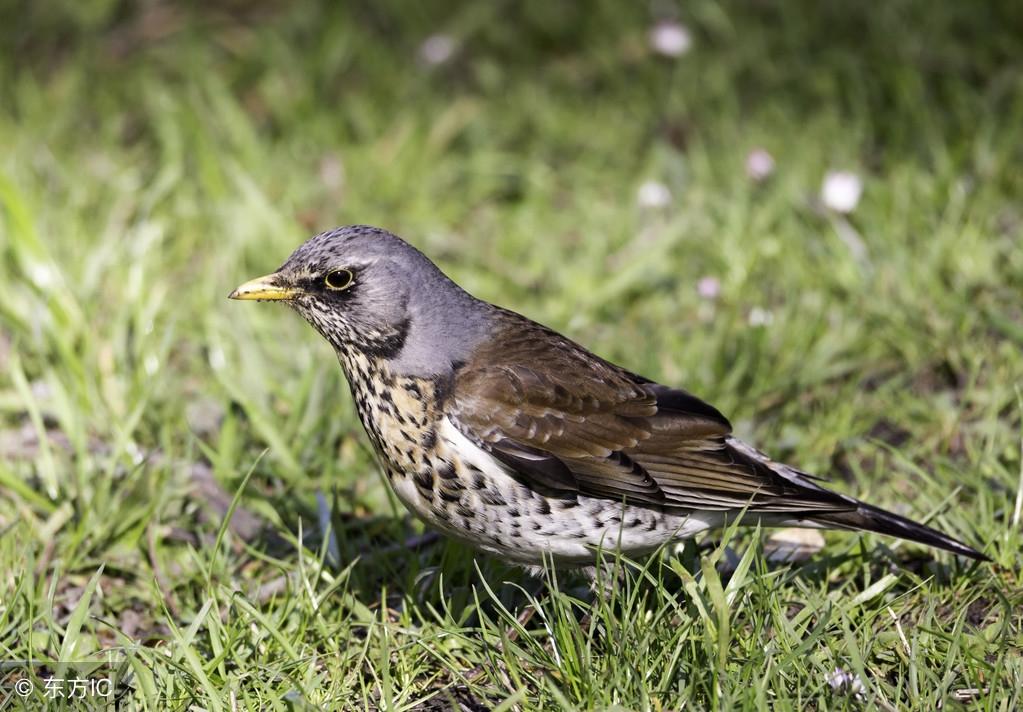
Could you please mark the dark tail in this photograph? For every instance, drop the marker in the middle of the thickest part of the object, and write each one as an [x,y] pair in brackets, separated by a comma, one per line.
[873,519]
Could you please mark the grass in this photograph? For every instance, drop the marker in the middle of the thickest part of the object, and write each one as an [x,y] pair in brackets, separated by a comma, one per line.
[154,157]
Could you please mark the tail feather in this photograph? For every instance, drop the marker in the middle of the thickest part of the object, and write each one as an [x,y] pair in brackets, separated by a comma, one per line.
[848,513]
[874,519]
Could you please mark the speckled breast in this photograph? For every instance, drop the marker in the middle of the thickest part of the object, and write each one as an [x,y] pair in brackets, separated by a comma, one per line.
[399,413]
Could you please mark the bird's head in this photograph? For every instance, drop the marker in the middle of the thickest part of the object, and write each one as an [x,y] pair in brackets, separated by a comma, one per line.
[368,291]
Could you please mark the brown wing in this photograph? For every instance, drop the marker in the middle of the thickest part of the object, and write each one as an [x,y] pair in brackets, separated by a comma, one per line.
[568,421]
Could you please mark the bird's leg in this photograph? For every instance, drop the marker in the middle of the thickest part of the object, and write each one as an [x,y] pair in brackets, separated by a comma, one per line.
[527,613]
[601,578]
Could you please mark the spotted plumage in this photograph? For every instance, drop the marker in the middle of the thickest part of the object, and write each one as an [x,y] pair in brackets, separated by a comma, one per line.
[512,438]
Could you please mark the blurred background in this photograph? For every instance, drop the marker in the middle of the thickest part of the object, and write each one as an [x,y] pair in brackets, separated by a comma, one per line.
[808,213]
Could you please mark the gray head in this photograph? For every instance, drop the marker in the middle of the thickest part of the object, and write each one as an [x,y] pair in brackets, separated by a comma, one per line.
[370,292]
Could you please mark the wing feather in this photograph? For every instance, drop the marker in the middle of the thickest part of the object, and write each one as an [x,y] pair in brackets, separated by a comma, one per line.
[570,422]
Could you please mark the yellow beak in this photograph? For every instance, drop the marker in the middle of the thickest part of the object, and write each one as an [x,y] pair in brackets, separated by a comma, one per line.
[264,289]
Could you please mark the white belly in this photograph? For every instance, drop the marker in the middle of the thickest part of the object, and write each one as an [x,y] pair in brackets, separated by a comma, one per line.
[511,521]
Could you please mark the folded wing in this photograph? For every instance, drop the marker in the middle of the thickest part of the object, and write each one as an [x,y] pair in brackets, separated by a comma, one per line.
[570,422]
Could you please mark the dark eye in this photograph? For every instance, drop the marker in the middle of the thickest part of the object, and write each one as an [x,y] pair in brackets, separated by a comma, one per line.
[338,279]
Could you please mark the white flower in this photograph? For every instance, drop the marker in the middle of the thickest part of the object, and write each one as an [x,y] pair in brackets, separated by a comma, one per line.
[760,317]
[437,49]
[841,191]
[42,274]
[217,358]
[41,390]
[846,683]
[759,164]
[670,38]
[793,545]
[653,194]
[708,287]
[332,172]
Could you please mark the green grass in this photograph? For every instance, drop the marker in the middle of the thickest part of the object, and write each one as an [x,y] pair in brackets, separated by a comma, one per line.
[153,159]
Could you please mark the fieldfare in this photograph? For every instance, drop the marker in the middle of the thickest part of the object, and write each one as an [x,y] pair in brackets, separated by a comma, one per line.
[510,437]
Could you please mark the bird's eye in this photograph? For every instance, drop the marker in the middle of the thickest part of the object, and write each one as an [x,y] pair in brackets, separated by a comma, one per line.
[338,279]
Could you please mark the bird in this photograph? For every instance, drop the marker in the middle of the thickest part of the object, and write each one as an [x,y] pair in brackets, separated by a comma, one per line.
[512,438]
